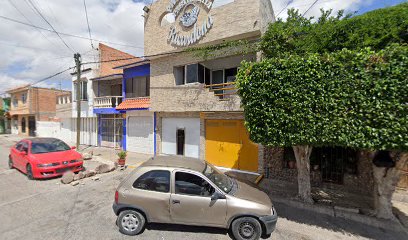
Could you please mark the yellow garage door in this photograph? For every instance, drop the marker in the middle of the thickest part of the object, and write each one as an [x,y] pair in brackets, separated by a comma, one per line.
[228,145]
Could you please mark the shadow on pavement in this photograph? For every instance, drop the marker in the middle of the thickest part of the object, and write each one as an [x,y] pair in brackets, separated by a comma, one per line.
[336,224]
[185,228]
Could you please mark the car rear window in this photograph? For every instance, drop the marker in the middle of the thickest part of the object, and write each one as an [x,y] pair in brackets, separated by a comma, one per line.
[155,180]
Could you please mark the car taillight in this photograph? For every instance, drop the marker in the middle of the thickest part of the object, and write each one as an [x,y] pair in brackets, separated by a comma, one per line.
[116,197]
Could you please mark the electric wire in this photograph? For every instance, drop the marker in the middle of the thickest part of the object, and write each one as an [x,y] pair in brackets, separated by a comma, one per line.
[310,7]
[44,79]
[287,4]
[27,19]
[67,34]
[42,16]
[87,22]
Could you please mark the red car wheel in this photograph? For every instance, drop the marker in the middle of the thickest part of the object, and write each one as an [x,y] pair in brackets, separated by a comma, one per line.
[29,172]
[10,163]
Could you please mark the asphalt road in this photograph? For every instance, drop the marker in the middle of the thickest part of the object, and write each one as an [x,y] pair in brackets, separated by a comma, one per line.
[48,210]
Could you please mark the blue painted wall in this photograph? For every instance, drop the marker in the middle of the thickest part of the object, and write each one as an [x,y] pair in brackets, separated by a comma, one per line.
[138,71]
[106,111]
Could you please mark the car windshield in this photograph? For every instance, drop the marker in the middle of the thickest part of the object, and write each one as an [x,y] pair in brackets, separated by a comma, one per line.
[52,145]
[218,178]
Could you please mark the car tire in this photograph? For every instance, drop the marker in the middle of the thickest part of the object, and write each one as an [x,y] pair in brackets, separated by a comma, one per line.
[131,222]
[29,171]
[10,163]
[246,228]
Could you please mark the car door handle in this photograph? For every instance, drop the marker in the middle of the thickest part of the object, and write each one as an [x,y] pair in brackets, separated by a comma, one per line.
[175,201]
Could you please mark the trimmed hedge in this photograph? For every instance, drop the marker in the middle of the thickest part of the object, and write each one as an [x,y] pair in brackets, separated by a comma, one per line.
[355,98]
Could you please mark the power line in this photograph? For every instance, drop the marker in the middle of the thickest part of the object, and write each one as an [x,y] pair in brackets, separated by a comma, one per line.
[310,7]
[301,5]
[287,4]
[87,22]
[44,79]
[26,18]
[39,13]
[68,34]
[150,56]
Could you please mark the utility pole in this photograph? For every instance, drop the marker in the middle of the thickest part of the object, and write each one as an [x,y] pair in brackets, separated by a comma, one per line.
[77,58]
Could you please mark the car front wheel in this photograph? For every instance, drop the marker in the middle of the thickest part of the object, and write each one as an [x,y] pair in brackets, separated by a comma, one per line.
[131,222]
[29,172]
[10,163]
[246,228]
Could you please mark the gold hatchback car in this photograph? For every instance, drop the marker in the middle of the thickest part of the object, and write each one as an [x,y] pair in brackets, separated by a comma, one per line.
[188,191]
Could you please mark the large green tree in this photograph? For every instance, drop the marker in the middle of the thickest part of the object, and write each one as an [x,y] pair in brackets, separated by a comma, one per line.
[299,35]
[354,98]
[309,92]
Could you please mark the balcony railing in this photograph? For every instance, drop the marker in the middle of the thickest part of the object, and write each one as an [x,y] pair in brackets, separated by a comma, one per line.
[223,90]
[107,101]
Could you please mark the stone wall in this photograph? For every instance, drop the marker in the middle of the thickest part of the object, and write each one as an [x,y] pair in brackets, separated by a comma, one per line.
[236,20]
[362,182]
[166,96]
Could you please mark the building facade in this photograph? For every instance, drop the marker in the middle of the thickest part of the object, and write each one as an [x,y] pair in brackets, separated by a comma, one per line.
[198,111]
[29,105]
[5,127]
[139,122]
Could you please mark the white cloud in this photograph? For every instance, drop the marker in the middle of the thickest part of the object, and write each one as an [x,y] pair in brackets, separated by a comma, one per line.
[280,6]
[26,55]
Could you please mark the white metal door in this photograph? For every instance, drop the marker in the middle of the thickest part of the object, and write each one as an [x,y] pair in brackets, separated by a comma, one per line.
[140,135]
[191,128]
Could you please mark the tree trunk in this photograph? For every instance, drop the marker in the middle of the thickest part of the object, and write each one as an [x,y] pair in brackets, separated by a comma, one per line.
[302,154]
[385,182]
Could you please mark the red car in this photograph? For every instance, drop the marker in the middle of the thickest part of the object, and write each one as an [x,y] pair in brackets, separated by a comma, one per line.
[44,158]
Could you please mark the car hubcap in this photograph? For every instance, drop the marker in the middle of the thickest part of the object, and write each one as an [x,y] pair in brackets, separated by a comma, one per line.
[130,222]
[246,230]
[29,174]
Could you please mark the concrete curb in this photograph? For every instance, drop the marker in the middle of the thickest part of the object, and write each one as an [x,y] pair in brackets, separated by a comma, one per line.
[345,214]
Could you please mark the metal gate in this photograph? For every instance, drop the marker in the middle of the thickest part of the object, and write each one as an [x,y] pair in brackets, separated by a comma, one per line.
[227,144]
[111,130]
[334,162]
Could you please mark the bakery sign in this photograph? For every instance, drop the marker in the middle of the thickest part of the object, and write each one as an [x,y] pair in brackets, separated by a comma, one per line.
[187,13]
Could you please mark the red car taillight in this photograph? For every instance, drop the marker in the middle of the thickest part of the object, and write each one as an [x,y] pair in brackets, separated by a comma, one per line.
[116,197]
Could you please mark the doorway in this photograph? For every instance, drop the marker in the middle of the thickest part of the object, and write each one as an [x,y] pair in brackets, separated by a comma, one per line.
[228,145]
[111,130]
[181,138]
[23,125]
[31,126]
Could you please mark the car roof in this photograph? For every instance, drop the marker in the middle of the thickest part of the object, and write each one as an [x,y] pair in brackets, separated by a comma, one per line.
[41,140]
[176,162]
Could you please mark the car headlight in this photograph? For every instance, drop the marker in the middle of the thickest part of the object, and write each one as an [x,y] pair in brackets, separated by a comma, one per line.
[47,165]
[272,211]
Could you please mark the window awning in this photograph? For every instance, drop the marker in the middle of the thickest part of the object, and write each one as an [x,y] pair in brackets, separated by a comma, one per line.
[109,77]
[135,103]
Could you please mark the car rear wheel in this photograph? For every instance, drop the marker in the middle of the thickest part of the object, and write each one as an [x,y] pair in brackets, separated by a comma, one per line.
[246,228]
[10,163]
[29,172]
[131,222]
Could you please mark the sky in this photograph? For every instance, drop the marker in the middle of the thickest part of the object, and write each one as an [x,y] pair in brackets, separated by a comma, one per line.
[28,54]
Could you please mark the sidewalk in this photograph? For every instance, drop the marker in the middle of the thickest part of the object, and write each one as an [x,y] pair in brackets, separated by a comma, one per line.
[336,203]
[102,154]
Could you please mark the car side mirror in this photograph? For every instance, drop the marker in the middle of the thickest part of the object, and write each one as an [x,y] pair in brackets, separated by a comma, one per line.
[73,147]
[24,152]
[217,195]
